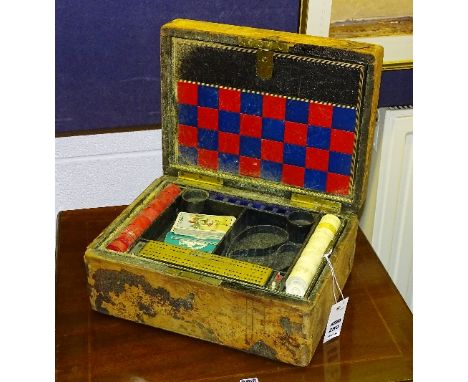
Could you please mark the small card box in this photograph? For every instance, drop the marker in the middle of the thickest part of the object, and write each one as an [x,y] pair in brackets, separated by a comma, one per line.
[269,131]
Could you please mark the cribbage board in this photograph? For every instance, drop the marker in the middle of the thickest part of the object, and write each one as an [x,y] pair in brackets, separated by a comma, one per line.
[267,124]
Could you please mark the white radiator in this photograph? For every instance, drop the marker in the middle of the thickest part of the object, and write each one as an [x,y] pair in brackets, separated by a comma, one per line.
[387,219]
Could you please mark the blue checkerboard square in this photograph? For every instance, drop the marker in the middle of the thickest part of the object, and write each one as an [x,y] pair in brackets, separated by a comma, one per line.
[250,147]
[207,96]
[208,139]
[273,129]
[229,122]
[251,103]
[339,163]
[315,180]
[188,155]
[294,154]
[188,115]
[228,162]
[343,118]
[271,170]
[297,111]
[318,137]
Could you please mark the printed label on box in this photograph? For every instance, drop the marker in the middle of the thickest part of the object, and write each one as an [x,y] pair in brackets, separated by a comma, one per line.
[335,320]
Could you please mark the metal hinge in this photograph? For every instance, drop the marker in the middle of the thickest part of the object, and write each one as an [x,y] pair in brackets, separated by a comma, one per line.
[311,203]
[200,179]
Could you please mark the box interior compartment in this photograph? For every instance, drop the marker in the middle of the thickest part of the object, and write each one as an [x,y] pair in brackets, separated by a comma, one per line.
[263,234]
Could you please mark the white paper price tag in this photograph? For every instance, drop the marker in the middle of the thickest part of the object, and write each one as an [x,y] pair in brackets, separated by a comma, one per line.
[249,380]
[335,320]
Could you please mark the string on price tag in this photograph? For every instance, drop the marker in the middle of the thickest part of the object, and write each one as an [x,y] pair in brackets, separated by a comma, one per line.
[338,310]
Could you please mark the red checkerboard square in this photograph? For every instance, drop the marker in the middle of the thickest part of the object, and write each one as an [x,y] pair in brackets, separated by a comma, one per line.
[229,100]
[320,115]
[208,118]
[187,93]
[249,166]
[272,150]
[338,184]
[208,159]
[228,143]
[295,133]
[317,159]
[274,107]
[342,141]
[188,136]
[251,125]
[293,175]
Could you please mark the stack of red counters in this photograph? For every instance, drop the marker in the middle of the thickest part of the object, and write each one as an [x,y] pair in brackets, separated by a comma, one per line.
[145,218]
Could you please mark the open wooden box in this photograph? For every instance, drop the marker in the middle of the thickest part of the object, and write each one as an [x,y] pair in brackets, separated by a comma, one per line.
[268,123]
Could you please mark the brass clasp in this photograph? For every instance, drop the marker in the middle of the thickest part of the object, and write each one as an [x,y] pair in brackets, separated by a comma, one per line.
[264,64]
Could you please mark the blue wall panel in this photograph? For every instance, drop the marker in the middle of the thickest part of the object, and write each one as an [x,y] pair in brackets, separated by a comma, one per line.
[396,88]
[107,54]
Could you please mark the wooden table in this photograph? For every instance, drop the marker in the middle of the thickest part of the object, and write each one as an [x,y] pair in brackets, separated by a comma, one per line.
[376,343]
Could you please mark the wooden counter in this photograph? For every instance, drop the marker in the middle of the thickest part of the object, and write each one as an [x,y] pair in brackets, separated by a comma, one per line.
[376,342]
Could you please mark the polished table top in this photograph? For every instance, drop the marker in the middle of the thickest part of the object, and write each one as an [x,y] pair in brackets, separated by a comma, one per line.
[376,342]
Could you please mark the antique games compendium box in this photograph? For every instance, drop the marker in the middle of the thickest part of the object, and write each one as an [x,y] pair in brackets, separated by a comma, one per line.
[266,146]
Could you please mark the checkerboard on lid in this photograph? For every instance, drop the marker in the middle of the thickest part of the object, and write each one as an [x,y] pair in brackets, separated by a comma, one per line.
[297,142]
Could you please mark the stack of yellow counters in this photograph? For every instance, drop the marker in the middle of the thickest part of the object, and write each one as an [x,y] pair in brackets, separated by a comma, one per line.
[306,267]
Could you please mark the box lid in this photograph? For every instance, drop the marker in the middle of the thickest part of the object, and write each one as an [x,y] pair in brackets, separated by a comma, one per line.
[276,112]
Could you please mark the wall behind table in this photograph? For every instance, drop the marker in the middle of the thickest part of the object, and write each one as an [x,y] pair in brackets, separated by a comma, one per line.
[396,88]
[108,76]
[105,169]
[107,54]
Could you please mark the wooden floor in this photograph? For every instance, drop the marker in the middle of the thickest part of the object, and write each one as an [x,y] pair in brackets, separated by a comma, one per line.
[376,343]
